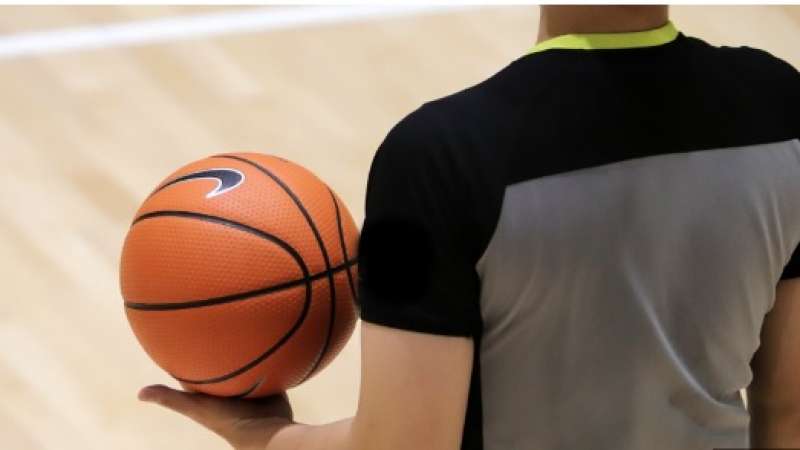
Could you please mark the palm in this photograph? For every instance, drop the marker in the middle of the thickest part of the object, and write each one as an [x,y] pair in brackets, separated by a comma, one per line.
[244,423]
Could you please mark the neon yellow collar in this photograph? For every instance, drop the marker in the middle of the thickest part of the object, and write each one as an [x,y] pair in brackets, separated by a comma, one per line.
[590,41]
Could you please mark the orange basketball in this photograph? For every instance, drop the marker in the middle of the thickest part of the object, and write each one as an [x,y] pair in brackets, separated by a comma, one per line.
[238,275]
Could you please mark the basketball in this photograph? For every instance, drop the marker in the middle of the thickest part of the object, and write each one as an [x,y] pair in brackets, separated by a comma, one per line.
[238,274]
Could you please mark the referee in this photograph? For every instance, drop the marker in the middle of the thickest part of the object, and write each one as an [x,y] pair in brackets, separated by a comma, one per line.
[592,249]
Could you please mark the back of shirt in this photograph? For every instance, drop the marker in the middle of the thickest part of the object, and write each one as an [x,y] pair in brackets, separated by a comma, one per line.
[608,219]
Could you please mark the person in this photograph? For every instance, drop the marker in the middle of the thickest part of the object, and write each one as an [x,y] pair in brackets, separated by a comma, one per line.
[594,248]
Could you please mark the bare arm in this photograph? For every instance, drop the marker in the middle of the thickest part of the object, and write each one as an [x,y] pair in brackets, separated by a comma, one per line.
[414,390]
[413,395]
[774,394]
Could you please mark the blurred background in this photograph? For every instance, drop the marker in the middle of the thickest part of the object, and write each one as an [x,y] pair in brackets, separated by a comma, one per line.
[99,104]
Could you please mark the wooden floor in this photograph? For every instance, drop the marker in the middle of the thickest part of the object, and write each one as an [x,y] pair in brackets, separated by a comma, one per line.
[85,135]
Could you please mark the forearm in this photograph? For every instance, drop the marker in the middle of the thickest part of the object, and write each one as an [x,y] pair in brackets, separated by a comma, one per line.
[772,427]
[332,436]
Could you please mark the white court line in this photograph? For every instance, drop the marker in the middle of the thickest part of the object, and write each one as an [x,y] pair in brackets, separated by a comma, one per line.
[183,27]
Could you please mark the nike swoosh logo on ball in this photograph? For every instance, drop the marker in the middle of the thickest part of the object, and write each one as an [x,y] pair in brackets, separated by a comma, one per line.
[227,180]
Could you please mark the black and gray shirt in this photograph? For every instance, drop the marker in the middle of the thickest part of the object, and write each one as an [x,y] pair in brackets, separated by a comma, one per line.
[607,217]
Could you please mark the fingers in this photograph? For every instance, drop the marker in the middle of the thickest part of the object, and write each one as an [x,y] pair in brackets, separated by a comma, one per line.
[240,422]
[209,411]
[151,393]
[214,412]
[164,396]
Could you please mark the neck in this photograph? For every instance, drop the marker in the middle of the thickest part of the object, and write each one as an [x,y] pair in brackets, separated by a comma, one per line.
[557,20]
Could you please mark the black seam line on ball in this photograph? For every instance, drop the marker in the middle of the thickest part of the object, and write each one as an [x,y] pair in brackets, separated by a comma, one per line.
[167,306]
[332,316]
[264,235]
[249,390]
[260,358]
[228,223]
[224,222]
[317,236]
[332,320]
[344,246]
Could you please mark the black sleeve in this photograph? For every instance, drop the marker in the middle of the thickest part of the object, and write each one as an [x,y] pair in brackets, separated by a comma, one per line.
[416,270]
[792,268]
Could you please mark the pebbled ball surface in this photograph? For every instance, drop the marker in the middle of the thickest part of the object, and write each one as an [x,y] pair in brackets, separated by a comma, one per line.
[244,293]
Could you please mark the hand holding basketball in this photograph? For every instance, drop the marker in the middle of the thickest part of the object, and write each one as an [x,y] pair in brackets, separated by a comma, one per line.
[244,424]
[238,275]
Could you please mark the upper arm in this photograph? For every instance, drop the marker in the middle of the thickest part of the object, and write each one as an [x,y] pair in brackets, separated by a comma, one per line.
[773,397]
[792,268]
[776,364]
[414,390]
[418,291]
[419,243]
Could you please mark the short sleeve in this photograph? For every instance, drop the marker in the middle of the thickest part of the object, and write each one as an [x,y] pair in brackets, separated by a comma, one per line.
[792,268]
[788,82]
[416,266]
